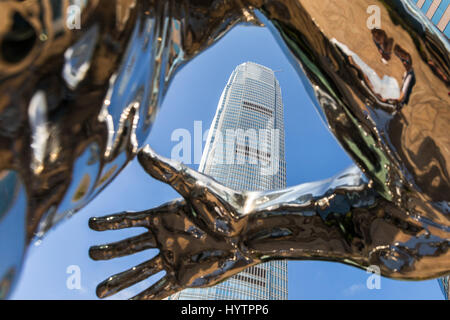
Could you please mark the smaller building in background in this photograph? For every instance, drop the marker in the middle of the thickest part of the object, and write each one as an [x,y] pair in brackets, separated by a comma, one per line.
[443,282]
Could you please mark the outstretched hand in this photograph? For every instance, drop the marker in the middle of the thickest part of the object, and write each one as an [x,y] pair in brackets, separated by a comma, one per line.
[216,232]
[198,237]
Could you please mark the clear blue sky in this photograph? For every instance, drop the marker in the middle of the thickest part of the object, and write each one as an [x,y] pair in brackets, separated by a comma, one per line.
[312,153]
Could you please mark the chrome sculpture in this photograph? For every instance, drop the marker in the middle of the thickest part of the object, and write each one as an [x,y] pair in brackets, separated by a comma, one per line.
[77,104]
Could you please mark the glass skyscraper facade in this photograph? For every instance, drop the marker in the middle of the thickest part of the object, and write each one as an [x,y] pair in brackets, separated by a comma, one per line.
[245,151]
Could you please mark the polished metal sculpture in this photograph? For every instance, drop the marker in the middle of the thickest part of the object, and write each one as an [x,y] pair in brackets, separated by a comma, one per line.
[77,104]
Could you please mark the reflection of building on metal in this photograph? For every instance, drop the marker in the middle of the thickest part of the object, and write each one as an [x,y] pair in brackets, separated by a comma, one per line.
[437,11]
[250,100]
[444,283]
[37,114]
[78,58]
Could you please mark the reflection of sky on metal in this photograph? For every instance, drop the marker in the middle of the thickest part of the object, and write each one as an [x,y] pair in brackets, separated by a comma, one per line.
[13,205]
[193,96]
[84,175]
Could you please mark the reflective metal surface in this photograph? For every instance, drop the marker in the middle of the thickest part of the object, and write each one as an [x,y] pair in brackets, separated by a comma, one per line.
[76,105]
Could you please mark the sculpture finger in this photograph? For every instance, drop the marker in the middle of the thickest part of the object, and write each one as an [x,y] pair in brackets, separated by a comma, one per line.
[134,219]
[119,221]
[166,170]
[189,183]
[123,248]
[130,277]
[158,291]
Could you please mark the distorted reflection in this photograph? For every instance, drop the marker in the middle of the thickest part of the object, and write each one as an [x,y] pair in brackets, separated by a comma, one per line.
[77,105]
[13,210]
[78,58]
[37,113]
[84,175]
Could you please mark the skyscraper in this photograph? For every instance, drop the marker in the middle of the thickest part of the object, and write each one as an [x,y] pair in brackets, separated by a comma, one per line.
[245,151]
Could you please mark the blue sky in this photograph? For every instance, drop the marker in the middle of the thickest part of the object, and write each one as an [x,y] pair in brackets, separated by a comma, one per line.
[312,153]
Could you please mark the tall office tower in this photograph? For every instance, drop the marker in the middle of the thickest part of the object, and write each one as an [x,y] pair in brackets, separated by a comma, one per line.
[438,11]
[245,151]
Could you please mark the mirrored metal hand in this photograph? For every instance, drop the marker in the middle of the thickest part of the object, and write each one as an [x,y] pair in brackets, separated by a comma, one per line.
[216,232]
[190,256]
[199,238]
